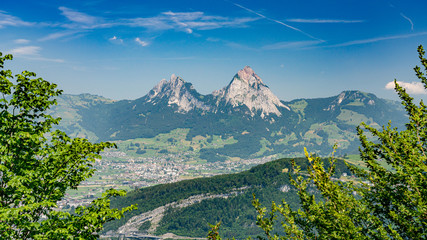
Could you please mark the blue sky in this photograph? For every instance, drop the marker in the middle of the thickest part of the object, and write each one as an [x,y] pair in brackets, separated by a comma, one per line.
[301,49]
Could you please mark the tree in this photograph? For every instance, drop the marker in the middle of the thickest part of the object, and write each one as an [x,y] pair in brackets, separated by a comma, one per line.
[38,165]
[388,202]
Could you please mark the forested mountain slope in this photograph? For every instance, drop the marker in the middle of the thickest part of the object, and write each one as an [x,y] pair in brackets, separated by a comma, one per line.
[225,198]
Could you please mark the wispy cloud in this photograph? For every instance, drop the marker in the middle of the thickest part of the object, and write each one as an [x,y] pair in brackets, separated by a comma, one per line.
[412,88]
[140,42]
[294,45]
[82,21]
[32,53]
[186,21]
[302,20]
[182,21]
[231,44]
[57,60]
[409,20]
[78,23]
[21,41]
[276,21]
[176,58]
[9,20]
[60,34]
[78,17]
[378,39]
[26,50]
[236,45]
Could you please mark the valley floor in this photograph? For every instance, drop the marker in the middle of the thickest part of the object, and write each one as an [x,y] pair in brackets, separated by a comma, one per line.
[120,171]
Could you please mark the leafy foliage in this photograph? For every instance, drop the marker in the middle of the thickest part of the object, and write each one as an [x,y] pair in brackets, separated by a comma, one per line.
[390,201]
[398,197]
[37,166]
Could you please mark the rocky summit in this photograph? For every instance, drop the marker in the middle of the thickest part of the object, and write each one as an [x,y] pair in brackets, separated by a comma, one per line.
[177,92]
[247,89]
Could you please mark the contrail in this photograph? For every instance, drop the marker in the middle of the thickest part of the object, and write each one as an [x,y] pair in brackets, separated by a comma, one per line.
[410,21]
[276,21]
[378,39]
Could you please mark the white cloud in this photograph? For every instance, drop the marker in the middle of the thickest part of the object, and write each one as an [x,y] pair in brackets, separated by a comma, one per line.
[78,17]
[411,88]
[301,20]
[115,39]
[9,20]
[140,42]
[21,41]
[27,50]
[33,53]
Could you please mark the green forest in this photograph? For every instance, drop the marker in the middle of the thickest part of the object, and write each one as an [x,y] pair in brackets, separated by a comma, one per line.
[236,213]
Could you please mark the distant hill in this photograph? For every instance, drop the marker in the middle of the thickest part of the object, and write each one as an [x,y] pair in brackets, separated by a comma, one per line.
[242,120]
[186,208]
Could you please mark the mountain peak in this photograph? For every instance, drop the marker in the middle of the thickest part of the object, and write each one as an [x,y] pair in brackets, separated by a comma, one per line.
[247,73]
[247,89]
[177,92]
[248,76]
[175,79]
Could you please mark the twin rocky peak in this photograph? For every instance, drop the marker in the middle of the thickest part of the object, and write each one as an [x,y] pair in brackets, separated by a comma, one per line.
[246,89]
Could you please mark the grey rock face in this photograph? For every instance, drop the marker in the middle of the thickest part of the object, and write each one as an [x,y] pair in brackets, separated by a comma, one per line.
[177,92]
[247,88]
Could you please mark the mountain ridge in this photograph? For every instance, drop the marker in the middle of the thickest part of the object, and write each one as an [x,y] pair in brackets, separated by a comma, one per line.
[246,112]
[246,89]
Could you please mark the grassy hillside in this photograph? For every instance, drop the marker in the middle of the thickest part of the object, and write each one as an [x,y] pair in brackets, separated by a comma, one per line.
[160,129]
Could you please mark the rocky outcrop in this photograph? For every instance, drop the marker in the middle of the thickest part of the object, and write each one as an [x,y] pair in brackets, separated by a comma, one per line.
[355,98]
[156,215]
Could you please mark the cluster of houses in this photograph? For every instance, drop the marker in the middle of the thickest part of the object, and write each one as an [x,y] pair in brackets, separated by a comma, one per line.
[117,170]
